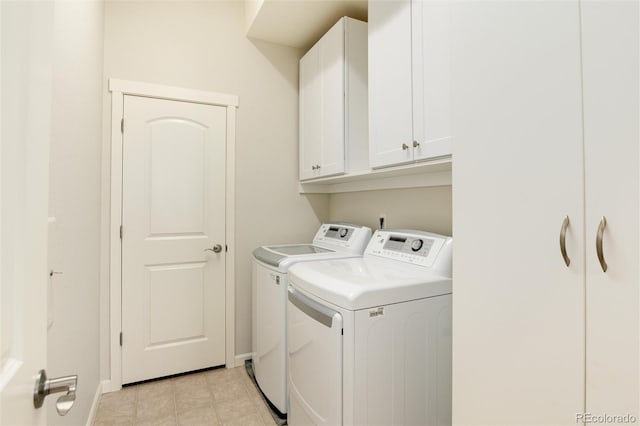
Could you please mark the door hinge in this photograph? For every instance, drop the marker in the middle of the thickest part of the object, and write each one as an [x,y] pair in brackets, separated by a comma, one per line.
[120,231]
[122,125]
[121,338]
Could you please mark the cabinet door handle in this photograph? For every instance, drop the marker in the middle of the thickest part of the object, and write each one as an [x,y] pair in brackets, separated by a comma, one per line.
[405,147]
[599,251]
[313,167]
[416,144]
[563,240]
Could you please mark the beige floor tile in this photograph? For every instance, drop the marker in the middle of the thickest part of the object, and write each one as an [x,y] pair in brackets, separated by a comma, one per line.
[233,390]
[202,416]
[154,389]
[229,411]
[114,421]
[193,397]
[157,407]
[189,381]
[250,419]
[164,421]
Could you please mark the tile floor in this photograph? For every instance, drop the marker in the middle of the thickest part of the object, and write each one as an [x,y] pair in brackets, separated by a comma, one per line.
[213,397]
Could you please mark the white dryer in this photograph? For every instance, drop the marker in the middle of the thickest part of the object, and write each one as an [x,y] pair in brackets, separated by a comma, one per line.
[269,288]
[369,339]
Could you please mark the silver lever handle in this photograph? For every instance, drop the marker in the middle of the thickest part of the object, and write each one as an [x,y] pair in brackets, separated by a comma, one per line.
[601,227]
[563,240]
[216,248]
[45,386]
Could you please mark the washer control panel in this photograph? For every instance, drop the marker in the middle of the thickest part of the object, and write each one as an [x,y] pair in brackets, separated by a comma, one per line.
[420,248]
[343,235]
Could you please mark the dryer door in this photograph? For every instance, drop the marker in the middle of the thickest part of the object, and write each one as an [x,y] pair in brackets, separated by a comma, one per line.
[314,350]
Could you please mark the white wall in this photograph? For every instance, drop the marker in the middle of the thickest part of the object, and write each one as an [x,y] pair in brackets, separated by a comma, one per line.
[426,209]
[201,45]
[74,243]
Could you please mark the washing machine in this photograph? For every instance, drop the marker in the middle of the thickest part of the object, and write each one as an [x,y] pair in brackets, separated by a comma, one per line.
[369,339]
[269,287]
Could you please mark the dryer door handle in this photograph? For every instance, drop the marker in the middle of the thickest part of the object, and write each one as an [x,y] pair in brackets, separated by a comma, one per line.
[313,309]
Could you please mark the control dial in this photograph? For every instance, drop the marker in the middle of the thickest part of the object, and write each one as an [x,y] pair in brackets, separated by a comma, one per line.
[416,244]
[343,232]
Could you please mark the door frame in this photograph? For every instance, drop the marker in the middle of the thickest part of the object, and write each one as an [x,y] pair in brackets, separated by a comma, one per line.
[118,89]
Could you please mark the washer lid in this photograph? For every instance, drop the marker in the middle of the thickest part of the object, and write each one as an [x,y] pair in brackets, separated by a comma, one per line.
[362,283]
[281,257]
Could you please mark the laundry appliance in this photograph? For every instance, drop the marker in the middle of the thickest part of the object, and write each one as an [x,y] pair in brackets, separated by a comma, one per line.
[369,339]
[269,287]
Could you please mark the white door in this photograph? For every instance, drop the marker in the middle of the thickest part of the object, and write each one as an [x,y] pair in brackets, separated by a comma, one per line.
[173,288]
[610,54]
[518,322]
[390,91]
[431,69]
[332,101]
[310,113]
[26,29]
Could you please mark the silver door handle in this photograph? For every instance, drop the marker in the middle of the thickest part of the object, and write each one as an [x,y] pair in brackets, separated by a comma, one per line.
[416,144]
[405,147]
[45,386]
[599,235]
[216,248]
[563,240]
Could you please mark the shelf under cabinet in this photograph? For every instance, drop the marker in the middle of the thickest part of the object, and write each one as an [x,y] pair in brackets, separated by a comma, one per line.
[423,174]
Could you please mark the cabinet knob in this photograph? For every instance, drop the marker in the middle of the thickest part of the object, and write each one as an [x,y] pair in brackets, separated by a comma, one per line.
[416,144]
[405,147]
[313,167]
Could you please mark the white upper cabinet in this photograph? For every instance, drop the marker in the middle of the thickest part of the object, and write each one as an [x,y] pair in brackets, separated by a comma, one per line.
[409,81]
[333,102]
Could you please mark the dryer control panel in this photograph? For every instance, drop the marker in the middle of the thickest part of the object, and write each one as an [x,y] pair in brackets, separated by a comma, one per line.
[417,247]
[343,236]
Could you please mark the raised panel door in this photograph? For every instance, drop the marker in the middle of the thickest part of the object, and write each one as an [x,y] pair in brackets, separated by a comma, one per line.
[173,290]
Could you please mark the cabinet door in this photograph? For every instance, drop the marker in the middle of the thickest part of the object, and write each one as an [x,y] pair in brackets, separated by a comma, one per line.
[332,67]
[431,68]
[390,121]
[518,317]
[310,113]
[610,56]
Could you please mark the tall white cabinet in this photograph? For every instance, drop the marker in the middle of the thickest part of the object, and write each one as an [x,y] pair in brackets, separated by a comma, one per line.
[545,106]
[333,102]
[409,81]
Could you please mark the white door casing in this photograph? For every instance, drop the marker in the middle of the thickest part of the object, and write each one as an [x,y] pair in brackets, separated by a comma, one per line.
[26,86]
[171,334]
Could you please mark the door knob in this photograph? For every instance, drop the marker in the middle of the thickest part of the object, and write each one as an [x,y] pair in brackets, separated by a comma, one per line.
[216,248]
[45,386]
[416,144]
[405,147]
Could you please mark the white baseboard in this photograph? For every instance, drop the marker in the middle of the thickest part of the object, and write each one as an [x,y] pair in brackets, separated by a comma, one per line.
[240,359]
[94,405]
[107,386]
